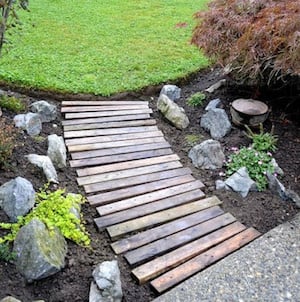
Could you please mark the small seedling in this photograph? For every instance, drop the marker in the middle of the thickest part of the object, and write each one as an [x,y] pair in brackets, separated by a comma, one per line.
[12,104]
[196,99]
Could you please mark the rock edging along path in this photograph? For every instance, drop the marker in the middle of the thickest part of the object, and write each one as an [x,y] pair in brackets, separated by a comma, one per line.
[151,206]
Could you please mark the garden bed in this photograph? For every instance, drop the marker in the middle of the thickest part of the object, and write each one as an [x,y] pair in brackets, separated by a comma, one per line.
[262,210]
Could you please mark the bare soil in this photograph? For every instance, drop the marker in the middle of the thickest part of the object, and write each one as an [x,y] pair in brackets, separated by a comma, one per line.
[262,210]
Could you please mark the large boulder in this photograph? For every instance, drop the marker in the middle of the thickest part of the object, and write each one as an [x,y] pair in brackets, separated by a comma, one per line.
[171,91]
[46,111]
[172,112]
[40,252]
[17,197]
[45,163]
[57,151]
[216,122]
[106,286]
[207,155]
[30,122]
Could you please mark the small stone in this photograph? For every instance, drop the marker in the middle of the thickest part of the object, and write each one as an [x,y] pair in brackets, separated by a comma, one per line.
[46,111]
[171,91]
[57,151]
[213,104]
[220,184]
[216,86]
[10,299]
[31,122]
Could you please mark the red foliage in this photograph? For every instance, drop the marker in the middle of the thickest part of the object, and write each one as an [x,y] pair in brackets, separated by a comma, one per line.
[259,40]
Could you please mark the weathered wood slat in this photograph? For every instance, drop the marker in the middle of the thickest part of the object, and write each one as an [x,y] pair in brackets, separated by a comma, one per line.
[106,197]
[93,108]
[149,208]
[106,119]
[136,123]
[112,131]
[118,158]
[135,180]
[98,103]
[106,113]
[128,173]
[149,197]
[127,165]
[119,150]
[168,243]
[155,267]
[140,239]
[111,138]
[105,145]
[161,217]
[202,261]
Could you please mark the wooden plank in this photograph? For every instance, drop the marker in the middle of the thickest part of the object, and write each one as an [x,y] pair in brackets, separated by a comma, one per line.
[171,242]
[95,103]
[103,108]
[182,254]
[118,158]
[136,123]
[106,197]
[106,113]
[113,131]
[135,180]
[128,173]
[148,197]
[202,261]
[129,142]
[149,208]
[127,165]
[164,230]
[106,119]
[120,150]
[111,138]
[161,217]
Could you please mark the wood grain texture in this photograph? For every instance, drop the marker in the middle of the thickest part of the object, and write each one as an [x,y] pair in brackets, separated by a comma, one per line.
[102,103]
[94,108]
[140,239]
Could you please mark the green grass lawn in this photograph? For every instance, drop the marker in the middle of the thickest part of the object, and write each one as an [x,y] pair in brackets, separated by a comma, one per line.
[102,47]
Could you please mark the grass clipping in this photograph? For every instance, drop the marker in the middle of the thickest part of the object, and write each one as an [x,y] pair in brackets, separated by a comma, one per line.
[55,209]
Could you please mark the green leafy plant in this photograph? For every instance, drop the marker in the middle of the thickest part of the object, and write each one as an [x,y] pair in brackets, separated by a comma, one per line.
[11,103]
[196,99]
[262,141]
[258,163]
[5,253]
[7,142]
[258,40]
[55,209]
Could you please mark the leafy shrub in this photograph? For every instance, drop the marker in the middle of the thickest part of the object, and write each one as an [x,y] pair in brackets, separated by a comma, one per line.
[258,163]
[262,141]
[196,99]
[12,103]
[55,210]
[5,253]
[258,40]
[7,142]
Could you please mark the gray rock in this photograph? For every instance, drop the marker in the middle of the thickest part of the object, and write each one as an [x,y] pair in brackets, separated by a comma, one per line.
[46,164]
[95,293]
[277,169]
[57,151]
[216,122]
[240,182]
[207,155]
[107,278]
[172,112]
[213,104]
[31,122]
[39,253]
[46,111]
[17,197]
[220,184]
[278,188]
[171,91]
[10,299]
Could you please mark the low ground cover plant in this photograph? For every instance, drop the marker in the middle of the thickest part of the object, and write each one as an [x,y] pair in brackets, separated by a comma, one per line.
[102,47]
[55,209]
[196,99]
[12,104]
[257,40]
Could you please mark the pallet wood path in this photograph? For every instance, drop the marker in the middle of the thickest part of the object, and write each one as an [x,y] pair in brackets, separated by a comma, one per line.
[153,209]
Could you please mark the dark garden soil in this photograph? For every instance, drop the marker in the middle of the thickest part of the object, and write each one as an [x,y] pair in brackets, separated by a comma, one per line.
[262,210]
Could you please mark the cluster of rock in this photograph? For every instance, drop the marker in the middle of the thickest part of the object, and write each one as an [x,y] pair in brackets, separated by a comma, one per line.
[209,154]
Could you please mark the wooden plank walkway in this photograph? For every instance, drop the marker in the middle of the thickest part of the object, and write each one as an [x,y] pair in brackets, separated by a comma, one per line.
[153,209]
